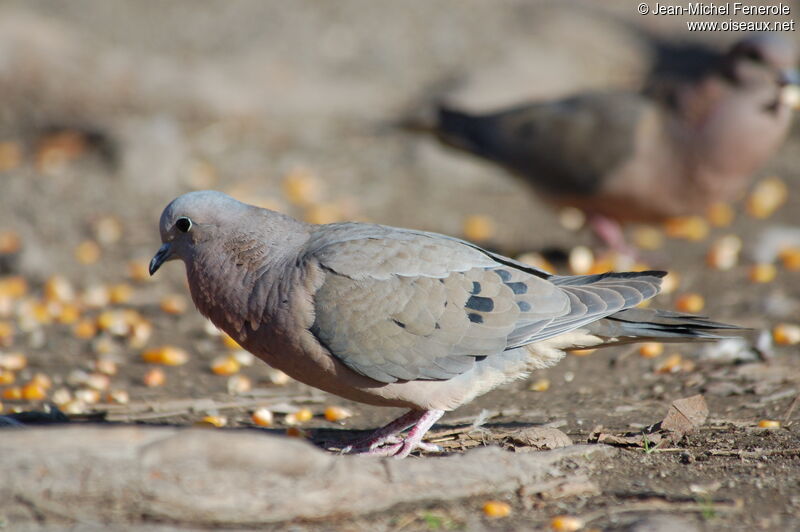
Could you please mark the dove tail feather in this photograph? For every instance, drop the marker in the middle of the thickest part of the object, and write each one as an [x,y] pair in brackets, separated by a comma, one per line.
[636,325]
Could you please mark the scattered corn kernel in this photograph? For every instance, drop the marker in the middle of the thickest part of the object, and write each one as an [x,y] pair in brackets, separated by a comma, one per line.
[106,366]
[212,421]
[243,357]
[154,377]
[113,322]
[670,282]
[337,413]
[571,218]
[278,377]
[33,392]
[138,271]
[57,288]
[225,365]
[769,424]
[724,252]
[139,334]
[651,349]
[42,380]
[167,355]
[61,396]
[6,333]
[107,230]
[720,215]
[87,252]
[173,304]
[582,352]
[95,296]
[540,385]
[13,361]
[14,393]
[68,314]
[87,395]
[690,302]
[478,227]
[239,384]
[14,286]
[566,523]
[74,407]
[301,416]
[7,377]
[580,260]
[496,509]
[120,293]
[262,417]
[98,381]
[692,228]
[104,345]
[763,272]
[767,197]
[786,334]
[648,237]
[790,258]
[672,364]
[119,396]
[301,187]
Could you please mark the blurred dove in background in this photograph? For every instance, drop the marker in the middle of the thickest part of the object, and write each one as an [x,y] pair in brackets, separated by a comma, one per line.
[688,140]
[396,317]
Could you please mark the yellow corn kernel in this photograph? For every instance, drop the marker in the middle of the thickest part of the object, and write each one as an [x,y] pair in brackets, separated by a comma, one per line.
[154,377]
[10,155]
[6,333]
[98,381]
[13,361]
[239,384]
[87,252]
[478,227]
[301,187]
[670,282]
[496,509]
[7,377]
[114,322]
[651,349]
[720,215]
[571,218]
[296,432]
[139,334]
[724,252]
[648,237]
[243,357]
[95,296]
[580,260]
[790,258]
[173,304]
[337,413]
[118,396]
[68,314]
[692,228]
[57,288]
[74,408]
[786,334]
[212,421]
[107,230]
[88,396]
[763,272]
[13,286]
[769,424]
[167,355]
[582,352]
[540,385]
[225,365]
[566,523]
[672,364]
[42,380]
[690,302]
[13,394]
[767,197]
[33,392]
[138,271]
[61,396]
[229,342]
[39,311]
[85,329]
[120,293]
[262,417]
[277,377]
[301,416]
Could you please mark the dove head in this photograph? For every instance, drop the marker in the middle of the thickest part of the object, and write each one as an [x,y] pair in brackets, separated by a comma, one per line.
[763,58]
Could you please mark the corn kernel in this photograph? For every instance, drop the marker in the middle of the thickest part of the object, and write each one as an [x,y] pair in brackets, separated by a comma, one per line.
[278,377]
[478,227]
[154,377]
[581,352]
[566,523]
[692,228]
[33,392]
[764,272]
[672,364]
[229,342]
[212,421]
[580,260]
[68,314]
[13,361]
[113,322]
[10,155]
[98,381]
[262,417]
[120,293]
[138,271]
[301,187]
[14,286]
[690,302]
[61,396]
[119,397]
[767,197]
[57,288]
[296,432]
[540,385]
[14,393]
[724,253]
[74,408]
[106,366]
[95,296]
[769,424]
[720,214]
[648,237]
[7,377]
[301,416]
[337,413]
[107,230]
[496,509]
[670,282]
[571,218]
[243,357]
[786,334]
[790,258]
[85,329]
[173,304]
[6,333]
[225,365]
[42,380]
[651,349]
[87,252]
[87,395]
[139,334]
[239,384]
[166,355]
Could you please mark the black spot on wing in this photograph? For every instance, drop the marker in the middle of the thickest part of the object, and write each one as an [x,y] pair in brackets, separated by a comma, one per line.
[476,288]
[518,288]
[399,323]
[504,275]
[524,306]
[475,318]
[481,304]
[478,359]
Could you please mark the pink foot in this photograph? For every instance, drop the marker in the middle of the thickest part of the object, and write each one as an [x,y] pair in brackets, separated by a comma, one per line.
[610,233]
[387,442]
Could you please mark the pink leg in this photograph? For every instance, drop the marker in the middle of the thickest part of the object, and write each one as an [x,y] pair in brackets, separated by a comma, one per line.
[385,441]
[611,234]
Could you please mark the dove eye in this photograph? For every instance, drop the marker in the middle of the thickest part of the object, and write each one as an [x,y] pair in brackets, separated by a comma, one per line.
[183,224]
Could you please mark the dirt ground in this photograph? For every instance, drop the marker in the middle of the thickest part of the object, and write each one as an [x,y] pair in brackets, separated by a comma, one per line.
[112,108]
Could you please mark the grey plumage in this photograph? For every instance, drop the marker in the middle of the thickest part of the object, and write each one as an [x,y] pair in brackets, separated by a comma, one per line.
[393,316]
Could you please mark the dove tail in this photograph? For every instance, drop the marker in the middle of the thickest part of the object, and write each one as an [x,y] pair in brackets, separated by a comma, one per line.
[636,325]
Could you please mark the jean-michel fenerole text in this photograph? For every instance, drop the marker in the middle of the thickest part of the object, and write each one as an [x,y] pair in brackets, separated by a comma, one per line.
[726,8]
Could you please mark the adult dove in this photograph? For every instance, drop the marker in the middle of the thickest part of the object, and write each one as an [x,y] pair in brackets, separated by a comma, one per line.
[396,317]
[671,150]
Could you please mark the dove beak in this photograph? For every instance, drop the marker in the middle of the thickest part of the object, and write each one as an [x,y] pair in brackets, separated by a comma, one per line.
[161,256]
